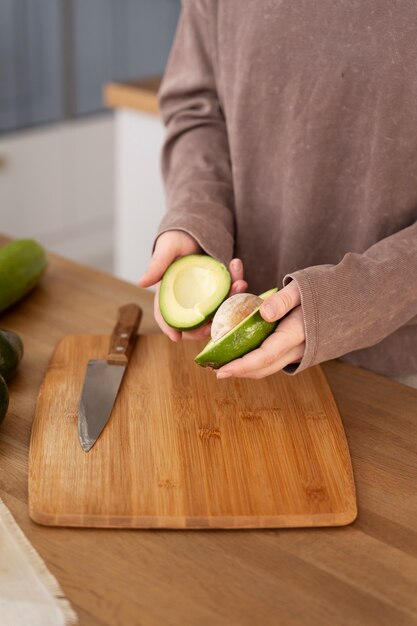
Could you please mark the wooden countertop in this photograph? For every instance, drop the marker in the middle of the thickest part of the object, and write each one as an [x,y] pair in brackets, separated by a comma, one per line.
[365,573]
[140,95]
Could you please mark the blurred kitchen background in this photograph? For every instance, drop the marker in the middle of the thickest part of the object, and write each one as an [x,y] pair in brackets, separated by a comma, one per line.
[80,133]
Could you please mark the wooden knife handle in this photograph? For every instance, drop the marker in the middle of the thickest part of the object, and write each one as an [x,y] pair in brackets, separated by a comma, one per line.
[124,334]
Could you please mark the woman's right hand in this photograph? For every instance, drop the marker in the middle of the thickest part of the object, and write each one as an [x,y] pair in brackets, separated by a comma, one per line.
[172,245]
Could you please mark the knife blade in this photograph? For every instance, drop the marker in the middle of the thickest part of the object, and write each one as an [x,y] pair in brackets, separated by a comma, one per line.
[103,378]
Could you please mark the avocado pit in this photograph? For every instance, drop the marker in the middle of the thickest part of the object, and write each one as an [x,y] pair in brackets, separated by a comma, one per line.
[240,337]
[232,312]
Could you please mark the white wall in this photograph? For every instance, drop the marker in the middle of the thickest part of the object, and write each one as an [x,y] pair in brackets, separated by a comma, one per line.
[57,185]
[90,190]
[139,195]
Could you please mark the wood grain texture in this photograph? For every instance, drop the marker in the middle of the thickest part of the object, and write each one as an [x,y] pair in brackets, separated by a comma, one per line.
[140,95]
[183,450]
[124,334]
[364,573]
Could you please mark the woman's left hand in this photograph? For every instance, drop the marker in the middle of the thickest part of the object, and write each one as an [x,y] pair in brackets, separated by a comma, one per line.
[286,344]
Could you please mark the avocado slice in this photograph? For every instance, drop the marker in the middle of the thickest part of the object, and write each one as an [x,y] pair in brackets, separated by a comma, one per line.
[192,288]
[243,338]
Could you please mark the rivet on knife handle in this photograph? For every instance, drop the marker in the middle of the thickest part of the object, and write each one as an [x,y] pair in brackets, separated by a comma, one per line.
[124,334]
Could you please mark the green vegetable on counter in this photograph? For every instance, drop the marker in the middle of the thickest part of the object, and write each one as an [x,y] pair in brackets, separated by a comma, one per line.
[11,353]
[22,264]
[4,399]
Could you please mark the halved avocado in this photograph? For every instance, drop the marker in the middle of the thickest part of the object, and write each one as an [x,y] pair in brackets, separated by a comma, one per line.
[192,289]
[243,338]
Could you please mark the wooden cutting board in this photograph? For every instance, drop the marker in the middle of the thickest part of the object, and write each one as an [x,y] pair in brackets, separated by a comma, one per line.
[183,450]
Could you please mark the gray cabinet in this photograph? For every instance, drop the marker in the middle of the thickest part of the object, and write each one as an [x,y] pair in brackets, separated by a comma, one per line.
[56,55]
[119,40]
[30,63]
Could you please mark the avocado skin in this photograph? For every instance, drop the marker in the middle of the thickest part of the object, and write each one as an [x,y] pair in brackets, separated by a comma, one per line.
[204,321]
[22,265]
[246,338]
[4,398]
[11,353]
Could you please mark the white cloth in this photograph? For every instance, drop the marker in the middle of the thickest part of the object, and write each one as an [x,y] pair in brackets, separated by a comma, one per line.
[29,594]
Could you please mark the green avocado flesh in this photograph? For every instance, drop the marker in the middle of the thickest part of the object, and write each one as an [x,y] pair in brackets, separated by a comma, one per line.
[240,340]
[192,289]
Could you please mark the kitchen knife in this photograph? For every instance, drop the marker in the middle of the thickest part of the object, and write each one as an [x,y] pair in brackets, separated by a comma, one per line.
[103,377]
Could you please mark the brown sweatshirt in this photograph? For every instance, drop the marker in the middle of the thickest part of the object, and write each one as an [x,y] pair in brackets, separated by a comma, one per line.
[292,143]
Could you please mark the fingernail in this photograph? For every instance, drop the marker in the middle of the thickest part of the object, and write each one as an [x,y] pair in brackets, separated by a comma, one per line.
[223,375]
[236,263]
[268,311]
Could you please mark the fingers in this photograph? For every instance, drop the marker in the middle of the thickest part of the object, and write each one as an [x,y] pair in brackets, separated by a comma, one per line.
[163,256]
[203,332]
[169,246]
[284,346]
[173,334]
[279,304]
[153,274]
[236,270]
[293,356]
[239,286]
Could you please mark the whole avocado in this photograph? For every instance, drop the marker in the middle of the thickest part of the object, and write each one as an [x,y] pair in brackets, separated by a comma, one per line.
[11,353]
[4,399]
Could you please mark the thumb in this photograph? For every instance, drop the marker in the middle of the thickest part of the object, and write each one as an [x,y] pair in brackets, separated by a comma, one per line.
[163,256]
[281,303]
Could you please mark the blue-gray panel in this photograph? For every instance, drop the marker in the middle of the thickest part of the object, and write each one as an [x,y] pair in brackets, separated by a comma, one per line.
[117,40]
[93,29]
[30,62]
[7,73]
[45,59]
[144,31]
[21,63]
[49,68]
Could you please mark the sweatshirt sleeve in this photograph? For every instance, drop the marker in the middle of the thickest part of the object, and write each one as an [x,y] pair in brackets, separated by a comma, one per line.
[196,161]
[361,300]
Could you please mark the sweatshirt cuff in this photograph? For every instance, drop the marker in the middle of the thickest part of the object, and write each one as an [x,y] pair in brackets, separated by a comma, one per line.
[310,311]
[205,222]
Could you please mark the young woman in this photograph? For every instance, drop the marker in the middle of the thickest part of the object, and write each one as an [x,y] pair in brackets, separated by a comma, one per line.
[292,145]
